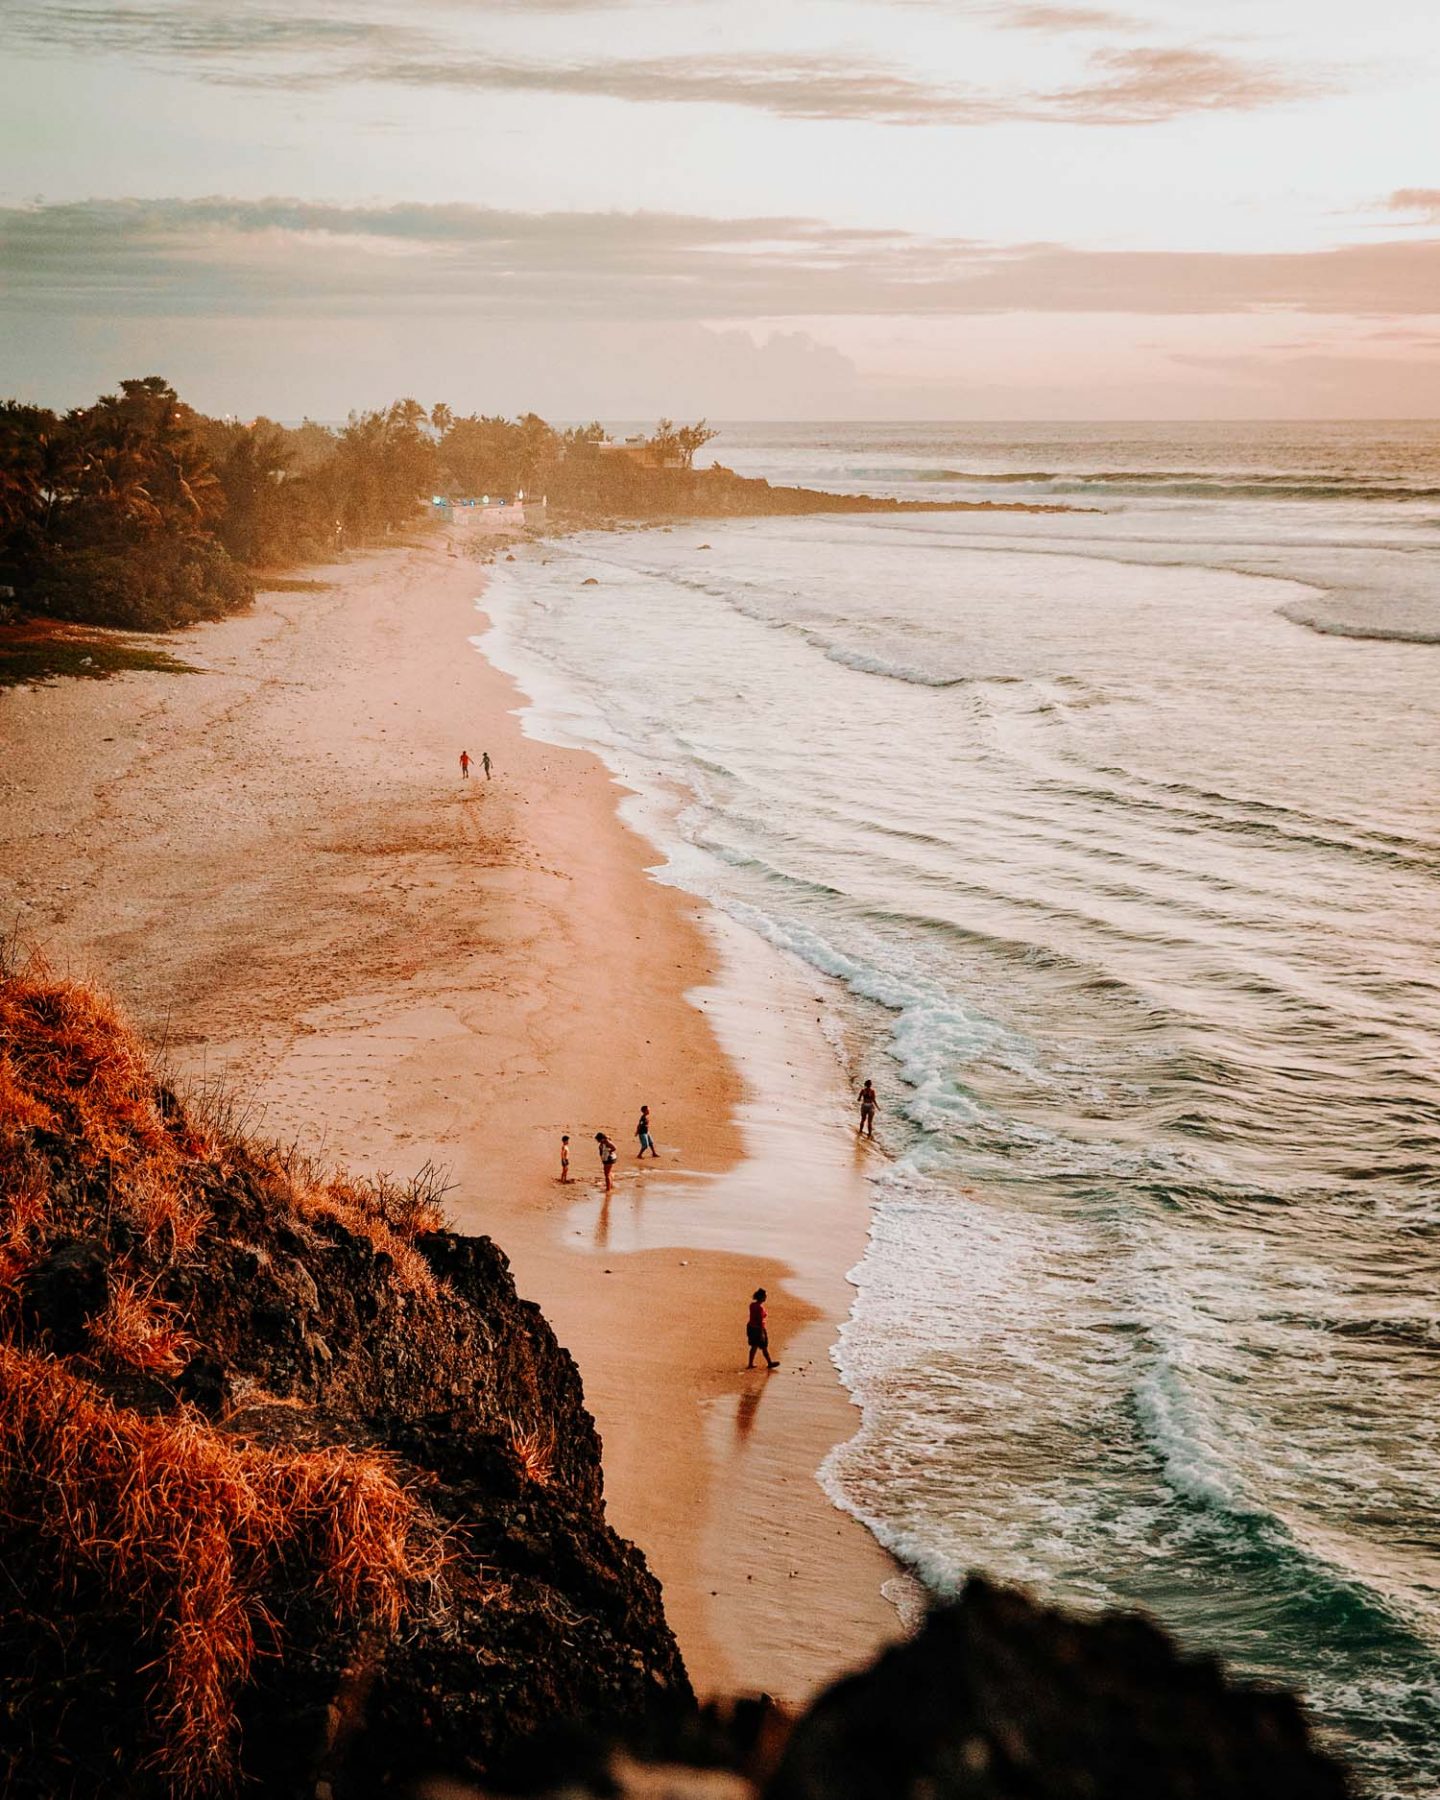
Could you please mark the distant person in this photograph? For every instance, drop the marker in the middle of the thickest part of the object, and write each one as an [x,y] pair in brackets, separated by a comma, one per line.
[756,1335]
[565,1157]
[643,1132]
[465,765]
[868,1102]
[608,1153]
[485,763]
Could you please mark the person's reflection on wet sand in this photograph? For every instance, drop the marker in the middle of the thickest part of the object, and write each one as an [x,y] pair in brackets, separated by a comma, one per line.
[745,1411]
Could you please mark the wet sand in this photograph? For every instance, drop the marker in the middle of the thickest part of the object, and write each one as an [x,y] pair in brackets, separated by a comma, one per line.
[277,866]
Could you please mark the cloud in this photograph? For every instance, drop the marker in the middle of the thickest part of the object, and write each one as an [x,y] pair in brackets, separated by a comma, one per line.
[326,46]
[1063,18]
[795,87]
[219,257]
[198,33]
[1142,86]
[1424,201]
[1131,86]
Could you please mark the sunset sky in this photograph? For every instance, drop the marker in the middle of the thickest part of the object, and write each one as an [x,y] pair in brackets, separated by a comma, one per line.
[795,209]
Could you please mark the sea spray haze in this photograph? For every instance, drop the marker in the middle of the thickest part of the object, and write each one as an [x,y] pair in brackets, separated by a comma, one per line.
[1128,882]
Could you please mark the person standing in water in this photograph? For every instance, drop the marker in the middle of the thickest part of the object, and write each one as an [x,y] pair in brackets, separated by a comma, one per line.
[608,1153]
[868,1103]
[642,1131]
[565,1157]
[756,1335]
[485,763]
[465,764]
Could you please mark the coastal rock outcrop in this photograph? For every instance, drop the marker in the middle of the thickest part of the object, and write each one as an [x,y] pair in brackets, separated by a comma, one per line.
[995,1698]
[294,1488]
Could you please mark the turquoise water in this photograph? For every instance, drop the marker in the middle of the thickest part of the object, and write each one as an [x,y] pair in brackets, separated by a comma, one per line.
[1121,851]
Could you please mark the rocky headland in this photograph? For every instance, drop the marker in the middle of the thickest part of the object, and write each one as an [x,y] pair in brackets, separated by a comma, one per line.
[293,1486]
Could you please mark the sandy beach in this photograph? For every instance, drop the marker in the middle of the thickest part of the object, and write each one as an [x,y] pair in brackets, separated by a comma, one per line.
[275,864]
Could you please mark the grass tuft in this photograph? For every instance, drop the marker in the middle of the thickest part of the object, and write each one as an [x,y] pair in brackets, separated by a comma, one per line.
[139,1331]
[536,1451]
[185,1538]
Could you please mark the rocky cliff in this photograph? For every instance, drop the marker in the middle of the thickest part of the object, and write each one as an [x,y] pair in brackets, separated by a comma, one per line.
[293,1486]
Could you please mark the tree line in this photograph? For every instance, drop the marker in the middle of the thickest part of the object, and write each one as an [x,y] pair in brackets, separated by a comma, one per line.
[138,511]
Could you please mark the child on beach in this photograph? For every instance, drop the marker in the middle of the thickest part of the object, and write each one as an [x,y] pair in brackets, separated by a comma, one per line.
[642,1131]
[485,763]
[565,1157]
[465,764]
[608,1153]
[868,1102]
[756,1335]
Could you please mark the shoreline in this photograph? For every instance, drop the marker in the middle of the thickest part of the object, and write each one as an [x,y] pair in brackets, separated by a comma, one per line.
[458,980]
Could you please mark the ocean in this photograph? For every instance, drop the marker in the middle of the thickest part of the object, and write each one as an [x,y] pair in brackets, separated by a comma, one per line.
[1117,832]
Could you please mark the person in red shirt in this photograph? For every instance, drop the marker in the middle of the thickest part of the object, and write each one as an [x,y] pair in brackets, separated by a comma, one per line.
[756,1334]
[465,764]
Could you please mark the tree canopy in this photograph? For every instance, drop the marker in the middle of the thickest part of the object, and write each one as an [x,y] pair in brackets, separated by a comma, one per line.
[139,511]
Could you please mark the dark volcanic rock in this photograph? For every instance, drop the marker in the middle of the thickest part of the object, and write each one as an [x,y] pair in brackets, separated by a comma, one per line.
[67,1288]
[1000,1699]
[996,1698]
[234,1301]
[545,1613]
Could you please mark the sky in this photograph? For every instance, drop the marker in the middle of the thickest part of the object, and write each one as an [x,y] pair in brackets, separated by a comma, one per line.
[749,209]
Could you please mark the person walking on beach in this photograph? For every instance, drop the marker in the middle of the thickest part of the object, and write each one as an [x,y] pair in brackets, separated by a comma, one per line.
[465,765]
[868,1103]
[565,1157]
[756,1335]
[485,763]
[642,1131]
[608,1153]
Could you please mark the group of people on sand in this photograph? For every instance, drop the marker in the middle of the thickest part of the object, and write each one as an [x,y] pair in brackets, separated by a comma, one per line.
[609,1155]
[465,760]
[644,1133]
[757,1334]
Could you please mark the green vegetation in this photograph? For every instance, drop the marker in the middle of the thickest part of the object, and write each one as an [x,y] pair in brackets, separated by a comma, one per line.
[141,513]
[109,514]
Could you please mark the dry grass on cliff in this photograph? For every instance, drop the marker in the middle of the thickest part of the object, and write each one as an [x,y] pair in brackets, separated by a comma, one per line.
[71,1066]
[184,1539]
[156,1538]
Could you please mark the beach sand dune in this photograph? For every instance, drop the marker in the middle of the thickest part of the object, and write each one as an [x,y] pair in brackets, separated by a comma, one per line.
[277,866]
